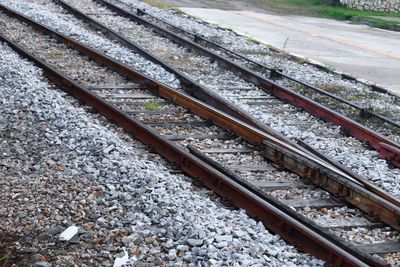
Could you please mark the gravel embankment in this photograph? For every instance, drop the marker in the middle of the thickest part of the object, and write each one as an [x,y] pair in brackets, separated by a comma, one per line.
[322,136]
[61,165]
[157,250]
[48,13]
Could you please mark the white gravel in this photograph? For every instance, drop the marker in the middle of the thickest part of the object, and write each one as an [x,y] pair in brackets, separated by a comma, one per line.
[204,241]
[333,82]
[346,150]
[322,136]
[48,13]
[57,166]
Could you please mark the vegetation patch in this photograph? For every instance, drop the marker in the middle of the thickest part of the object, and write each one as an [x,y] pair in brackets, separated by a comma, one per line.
[158,4]
[177,10]
[79,66]
[331,9]
[333,88]
[153,106]
[4,256]
[55,54]
[8,253]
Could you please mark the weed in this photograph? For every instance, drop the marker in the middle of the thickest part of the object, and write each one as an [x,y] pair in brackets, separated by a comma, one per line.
[158,4]
[257,68]
[177,10]
[380,25]
[284,53]
[322,8]
[333,88]
[354,97]
[250,39]
[306,90]
[257,52]
[343,13]
[299,60]
[152,106]
[55,54]
[373,95]
[5,256]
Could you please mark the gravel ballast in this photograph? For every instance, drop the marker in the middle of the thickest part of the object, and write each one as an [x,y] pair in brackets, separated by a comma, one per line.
[184,245]
[322,136]
[62,166]
[296,68]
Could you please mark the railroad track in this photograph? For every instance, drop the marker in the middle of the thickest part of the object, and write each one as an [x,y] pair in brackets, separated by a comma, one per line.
[337,99]
[226,155]
[390,117]
[215,100]
[199,91]
[267,96]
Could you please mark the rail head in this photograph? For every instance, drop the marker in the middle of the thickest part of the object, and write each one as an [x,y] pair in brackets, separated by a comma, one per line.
[352,127]
[362,111]
[249,133]
[273,218]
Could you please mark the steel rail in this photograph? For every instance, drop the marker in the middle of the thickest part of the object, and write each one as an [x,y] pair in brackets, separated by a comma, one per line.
[363,112]
[309,222]
[256,136]
[354,175]
[345,76]
[306,166]
[388,149]
[190,86]
[213,99]
[211,114]
[256,206]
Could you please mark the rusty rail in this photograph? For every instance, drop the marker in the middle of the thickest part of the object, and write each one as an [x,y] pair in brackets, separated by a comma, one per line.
[306,166]
[388,149]
[272,217]
[198,169]
[310,223]
[239,55]
[366,183]
[214,100]
[190,86]
[363,112]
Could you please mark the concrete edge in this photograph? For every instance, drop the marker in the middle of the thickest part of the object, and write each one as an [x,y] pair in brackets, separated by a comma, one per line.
[374,86]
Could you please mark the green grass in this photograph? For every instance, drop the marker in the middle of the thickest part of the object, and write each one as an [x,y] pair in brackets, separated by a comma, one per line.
[177,10]
[79,66]
[5,256]
[55,54]
[343,13]
[298,7]
[158,4]
[322,8]
[152,106]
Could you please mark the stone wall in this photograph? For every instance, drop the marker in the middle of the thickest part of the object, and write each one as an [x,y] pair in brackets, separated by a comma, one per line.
[374,5]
